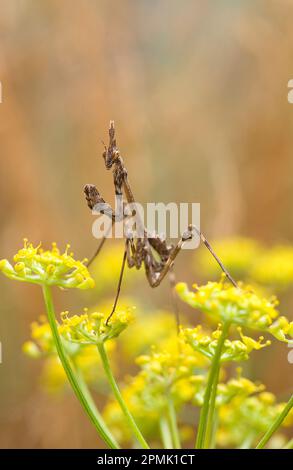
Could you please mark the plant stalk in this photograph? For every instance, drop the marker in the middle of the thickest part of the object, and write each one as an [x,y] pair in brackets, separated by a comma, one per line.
[89,398]
[118,396]
[173,424]
[73,380]
[165,433]
[212,382]
[276,424]
[211,412]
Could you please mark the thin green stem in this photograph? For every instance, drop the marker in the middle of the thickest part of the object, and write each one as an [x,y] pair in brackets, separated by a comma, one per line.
[89,398]
[213,437]
[118,396]
[165,433]
[210,420]
[212,381]
[74,382]
[173,424]
[276,424]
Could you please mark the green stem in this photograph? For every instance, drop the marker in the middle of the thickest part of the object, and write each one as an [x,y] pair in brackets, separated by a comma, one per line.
[276,424]
[118,396]
[94,418]
[165,433]
[210,419]
[173,424]
[90,400]
[212,382]
[213,436]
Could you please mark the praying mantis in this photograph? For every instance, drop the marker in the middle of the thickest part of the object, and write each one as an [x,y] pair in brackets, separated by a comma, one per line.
[152,252]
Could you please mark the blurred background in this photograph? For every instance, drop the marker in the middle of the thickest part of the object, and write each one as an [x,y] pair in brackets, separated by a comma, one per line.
[198,92]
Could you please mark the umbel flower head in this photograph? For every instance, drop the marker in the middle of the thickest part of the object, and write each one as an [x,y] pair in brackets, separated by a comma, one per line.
[178,373]
[174,373]
[238,386]
[238,305]
[233,350]
[92,328]
[140,404]
[33,264]
[85,357]
[244,418]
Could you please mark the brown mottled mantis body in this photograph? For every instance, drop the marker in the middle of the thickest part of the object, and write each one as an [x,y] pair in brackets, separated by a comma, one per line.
[139,251]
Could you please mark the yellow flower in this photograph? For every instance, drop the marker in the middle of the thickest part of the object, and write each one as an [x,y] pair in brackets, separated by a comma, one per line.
[244,419]
[175,373]
[85,357]
[237,387]
[206,344]
[91,328]
[42,343]
[238,305]
[140,405]
[240,387]
[32,264]
[146,396]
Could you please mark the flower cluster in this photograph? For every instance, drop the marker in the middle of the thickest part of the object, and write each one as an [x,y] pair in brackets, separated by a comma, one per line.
[50,267]
[92,328]
[238,386]
[180,371]
[244,419]
[233,350]
[85,357]
[180,375]
[140,405]
[238,305]
[174,375]
[177,373]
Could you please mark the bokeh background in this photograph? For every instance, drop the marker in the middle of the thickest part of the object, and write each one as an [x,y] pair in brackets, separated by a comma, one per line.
[198,92]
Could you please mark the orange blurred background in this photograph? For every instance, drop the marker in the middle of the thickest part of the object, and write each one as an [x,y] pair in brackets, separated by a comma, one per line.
[198,92]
